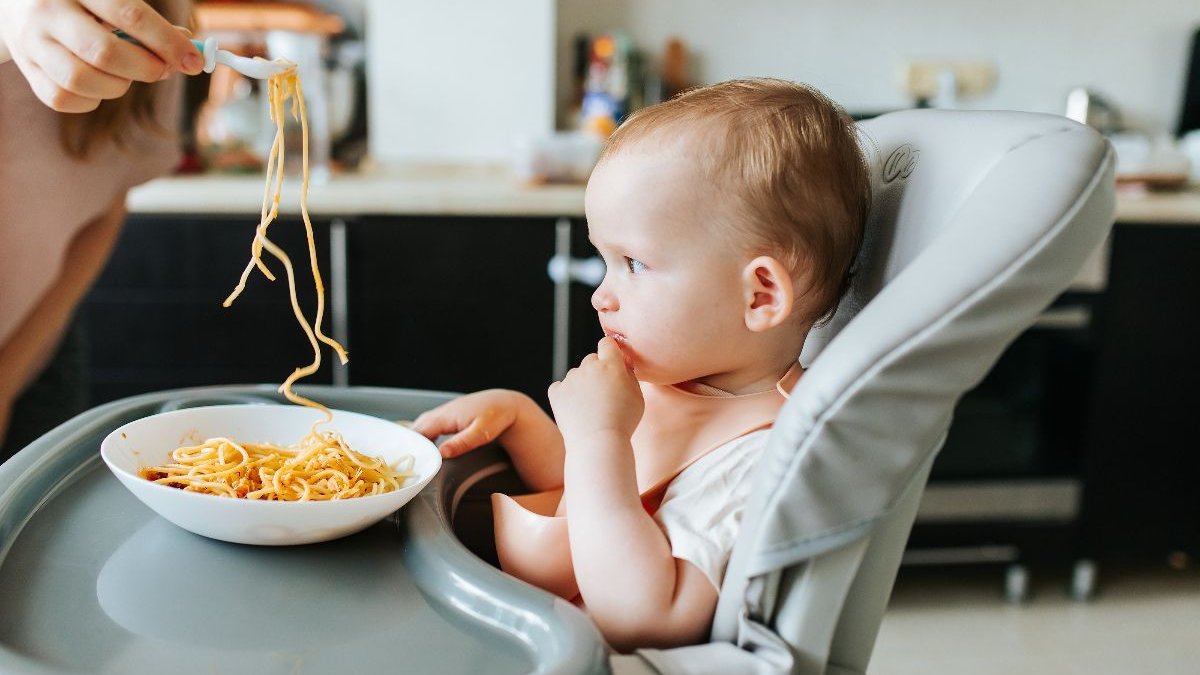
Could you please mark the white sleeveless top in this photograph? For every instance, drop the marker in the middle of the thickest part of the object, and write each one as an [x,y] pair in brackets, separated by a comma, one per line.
[701,512]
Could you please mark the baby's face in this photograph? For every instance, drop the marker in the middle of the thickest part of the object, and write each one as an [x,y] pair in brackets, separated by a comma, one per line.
[672,295]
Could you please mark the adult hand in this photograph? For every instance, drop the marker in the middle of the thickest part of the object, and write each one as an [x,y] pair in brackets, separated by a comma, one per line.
[72,59]
[599,396]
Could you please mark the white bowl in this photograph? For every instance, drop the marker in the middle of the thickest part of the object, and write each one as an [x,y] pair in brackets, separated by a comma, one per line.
[150,441]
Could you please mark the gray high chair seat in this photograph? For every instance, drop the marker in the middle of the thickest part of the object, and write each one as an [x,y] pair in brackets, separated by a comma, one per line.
[979,220]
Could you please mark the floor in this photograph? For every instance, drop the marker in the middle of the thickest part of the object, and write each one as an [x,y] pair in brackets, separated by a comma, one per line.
[953,620]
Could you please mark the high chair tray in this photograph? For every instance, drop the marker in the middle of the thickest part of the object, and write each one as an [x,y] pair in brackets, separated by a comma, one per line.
[93,581]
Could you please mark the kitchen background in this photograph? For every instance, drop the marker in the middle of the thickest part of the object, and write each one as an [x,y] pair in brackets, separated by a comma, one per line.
[475,82]
[1133,53]
[1073,461]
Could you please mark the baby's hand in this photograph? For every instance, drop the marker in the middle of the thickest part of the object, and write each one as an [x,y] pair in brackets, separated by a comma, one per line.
[475,419]
[600,395]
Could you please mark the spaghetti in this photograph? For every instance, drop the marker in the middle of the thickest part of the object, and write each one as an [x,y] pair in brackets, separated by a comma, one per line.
[321,466]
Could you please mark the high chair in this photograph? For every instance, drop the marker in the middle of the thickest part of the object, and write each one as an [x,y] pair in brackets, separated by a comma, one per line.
[978,221]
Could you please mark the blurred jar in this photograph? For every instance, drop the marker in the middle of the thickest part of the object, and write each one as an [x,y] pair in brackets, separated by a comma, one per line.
[563,157]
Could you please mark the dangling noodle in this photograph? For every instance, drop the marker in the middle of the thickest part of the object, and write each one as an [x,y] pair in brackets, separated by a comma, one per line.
[280,88]
[321,466]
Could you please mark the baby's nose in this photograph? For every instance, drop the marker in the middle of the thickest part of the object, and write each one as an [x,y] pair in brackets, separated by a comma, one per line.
[603,300]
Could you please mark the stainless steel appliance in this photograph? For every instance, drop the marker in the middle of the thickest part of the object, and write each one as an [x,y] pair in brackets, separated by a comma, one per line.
[1088,107]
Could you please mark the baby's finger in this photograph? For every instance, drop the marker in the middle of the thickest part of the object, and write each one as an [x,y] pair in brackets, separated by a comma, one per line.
[607,349]
[432,424]
[610,350]
[475,435]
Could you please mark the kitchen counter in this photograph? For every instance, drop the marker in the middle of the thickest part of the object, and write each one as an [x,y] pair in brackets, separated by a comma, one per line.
[485,191]
[397,190]
[1166,208]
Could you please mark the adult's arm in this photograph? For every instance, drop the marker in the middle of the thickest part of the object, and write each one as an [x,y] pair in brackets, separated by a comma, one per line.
[29,348]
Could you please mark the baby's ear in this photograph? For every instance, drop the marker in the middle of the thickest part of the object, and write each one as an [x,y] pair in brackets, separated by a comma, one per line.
[769,293]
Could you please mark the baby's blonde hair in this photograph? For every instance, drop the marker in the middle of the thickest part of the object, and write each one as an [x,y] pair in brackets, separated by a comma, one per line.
[789,158]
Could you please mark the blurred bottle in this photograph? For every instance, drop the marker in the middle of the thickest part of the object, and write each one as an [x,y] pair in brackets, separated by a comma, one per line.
[674,70]
[581,50]
[607,84]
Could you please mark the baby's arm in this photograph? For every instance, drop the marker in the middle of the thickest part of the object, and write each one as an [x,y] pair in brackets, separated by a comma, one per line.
[636,592]
[510,418]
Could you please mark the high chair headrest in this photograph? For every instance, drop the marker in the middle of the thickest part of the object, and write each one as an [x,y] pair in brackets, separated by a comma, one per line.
[978,221]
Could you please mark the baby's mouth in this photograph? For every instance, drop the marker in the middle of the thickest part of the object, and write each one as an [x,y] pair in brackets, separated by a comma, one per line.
[619,338]
[622,346]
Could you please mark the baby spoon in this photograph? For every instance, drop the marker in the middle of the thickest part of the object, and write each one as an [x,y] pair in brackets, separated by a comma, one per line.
[256,67]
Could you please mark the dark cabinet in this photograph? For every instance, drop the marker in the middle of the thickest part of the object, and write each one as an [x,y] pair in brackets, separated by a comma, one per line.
[1143,459]
[451,303]
[430,302]
[154,319]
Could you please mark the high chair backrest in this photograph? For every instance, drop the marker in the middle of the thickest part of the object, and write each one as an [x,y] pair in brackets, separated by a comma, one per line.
[978,221]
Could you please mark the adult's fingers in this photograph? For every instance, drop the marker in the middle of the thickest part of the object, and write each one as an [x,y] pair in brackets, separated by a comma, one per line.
[53,95]
[71,73]
[106,52]
[149,28]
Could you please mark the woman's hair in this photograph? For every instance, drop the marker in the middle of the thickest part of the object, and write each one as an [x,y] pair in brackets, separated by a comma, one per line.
[80,133]
[788,159]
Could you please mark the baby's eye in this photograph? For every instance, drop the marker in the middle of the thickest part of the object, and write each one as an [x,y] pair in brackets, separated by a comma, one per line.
[633,265]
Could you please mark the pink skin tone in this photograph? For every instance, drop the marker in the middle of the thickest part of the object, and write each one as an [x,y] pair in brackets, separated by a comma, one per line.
[67,51]
[680,302]
[32,344]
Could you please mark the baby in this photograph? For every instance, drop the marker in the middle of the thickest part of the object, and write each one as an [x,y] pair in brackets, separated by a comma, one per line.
[728,219]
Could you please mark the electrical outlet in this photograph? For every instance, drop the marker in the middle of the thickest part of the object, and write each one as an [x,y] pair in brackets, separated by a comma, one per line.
[919,79]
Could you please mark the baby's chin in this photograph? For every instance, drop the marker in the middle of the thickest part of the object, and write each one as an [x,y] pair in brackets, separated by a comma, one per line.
[644,367]
[650,375]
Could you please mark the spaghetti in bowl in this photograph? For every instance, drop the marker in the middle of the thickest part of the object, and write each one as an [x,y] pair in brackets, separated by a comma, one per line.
[136,451]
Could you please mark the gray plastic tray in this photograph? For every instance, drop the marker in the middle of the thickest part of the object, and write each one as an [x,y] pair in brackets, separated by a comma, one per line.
[92,581]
